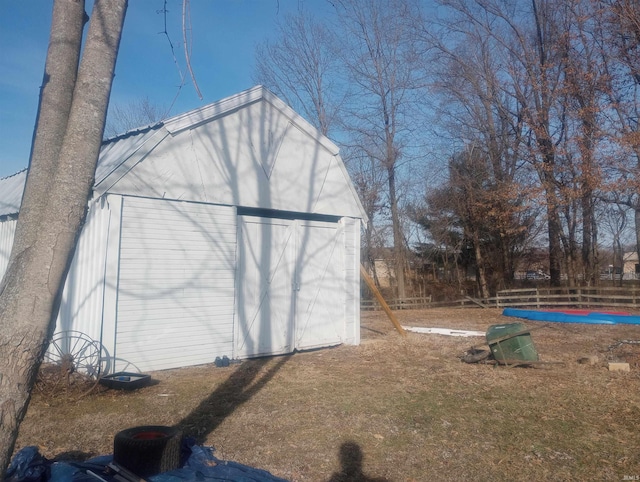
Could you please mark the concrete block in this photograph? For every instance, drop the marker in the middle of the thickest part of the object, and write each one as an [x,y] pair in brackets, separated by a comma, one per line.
[619,367]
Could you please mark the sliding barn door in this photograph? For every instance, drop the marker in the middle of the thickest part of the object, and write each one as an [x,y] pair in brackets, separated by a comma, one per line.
[320,300]
[290,285]
[265,311]
[176,284]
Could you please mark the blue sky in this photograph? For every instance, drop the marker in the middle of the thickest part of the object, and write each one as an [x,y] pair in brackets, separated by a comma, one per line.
[224,35]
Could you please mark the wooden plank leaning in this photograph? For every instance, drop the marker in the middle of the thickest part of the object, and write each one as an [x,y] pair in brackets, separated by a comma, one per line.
[383,303]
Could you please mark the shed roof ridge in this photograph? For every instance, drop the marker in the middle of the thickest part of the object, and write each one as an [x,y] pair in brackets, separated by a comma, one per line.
[209,112]
[14,174]
[133,132]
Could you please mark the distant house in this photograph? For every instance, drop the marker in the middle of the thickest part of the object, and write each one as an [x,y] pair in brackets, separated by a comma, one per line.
[233,229]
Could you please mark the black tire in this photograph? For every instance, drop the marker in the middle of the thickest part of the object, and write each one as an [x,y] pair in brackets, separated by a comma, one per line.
[148,450]
[475,356]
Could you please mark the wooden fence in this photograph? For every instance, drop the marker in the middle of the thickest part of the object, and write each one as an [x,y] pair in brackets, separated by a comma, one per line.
[583,297]
[420,303]
[406,304]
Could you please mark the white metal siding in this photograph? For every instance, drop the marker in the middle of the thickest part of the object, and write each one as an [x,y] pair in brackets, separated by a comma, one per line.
[176,284]
[352,279]
[82,299]
[7,232]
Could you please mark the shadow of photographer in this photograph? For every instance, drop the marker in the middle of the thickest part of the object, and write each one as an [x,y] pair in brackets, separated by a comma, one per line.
[351,458]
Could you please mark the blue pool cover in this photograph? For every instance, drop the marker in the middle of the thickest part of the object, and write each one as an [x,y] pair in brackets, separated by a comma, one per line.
[574,316]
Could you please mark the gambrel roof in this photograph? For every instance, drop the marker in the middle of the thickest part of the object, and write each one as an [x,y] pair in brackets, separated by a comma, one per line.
[249,150]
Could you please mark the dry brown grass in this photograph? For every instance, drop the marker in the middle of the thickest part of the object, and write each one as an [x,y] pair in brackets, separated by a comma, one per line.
[408,406]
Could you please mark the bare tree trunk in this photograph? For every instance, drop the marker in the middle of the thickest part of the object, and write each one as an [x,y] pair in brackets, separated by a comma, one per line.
[33,282]
[398,238]
[555,247]
[480,263]
[507,263]
[56,94]
[554,227]
[618,260]
[589,240]
[587,200]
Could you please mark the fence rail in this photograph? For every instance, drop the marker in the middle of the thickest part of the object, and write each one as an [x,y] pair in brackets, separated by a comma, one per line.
[584,297]
[405,304]
[574,297]
[421,303]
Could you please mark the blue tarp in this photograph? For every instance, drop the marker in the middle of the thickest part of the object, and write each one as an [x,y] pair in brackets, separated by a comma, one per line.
[28,465]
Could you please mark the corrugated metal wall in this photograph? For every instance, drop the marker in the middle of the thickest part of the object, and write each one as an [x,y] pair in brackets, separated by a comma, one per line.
[82,299]
[176,284]
[7,231]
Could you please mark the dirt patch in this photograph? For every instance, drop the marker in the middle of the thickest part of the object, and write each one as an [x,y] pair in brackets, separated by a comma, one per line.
[394,408]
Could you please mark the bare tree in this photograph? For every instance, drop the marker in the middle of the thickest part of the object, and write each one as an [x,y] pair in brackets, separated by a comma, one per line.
[528,85]
[621,53]
[382,54]
[585,86]
[553,71]
[537,89]
[369,181]
[301,66]
[368,69]
[65,150]
[125,117]
[485,122]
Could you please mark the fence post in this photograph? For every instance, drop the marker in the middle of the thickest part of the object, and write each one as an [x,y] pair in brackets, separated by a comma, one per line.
[537,298]
[580,297]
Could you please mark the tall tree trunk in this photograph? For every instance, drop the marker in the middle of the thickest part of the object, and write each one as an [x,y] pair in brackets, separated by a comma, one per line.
[618,260]
[398,238]
[555,246]
[369,258]
[588,185]
[56,94]
[480,263]
[554,226]
[507,262]
[589,239]
[33,282]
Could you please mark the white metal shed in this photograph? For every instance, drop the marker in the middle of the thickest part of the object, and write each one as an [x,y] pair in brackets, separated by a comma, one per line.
[230,230]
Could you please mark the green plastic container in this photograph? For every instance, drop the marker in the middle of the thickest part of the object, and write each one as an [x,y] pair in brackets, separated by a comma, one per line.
[511,343]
